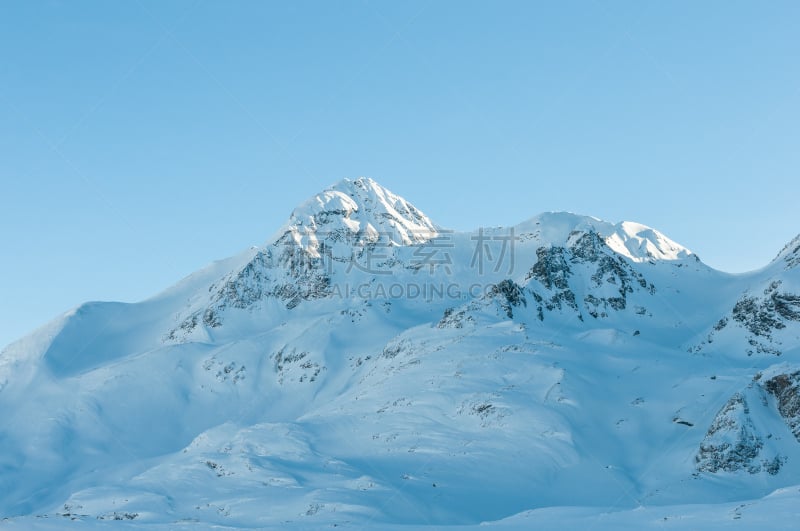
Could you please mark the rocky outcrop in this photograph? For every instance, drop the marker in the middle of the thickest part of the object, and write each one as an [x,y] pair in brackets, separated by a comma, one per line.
[732,443]
[453,318]
[785,387]
[612,278]
[552,271]
[505,295]
[292,278]
[551,268]
[610,269]
[761,316]
[509,295]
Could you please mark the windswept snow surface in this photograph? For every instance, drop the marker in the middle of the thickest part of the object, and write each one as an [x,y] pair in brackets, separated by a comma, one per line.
[366,367]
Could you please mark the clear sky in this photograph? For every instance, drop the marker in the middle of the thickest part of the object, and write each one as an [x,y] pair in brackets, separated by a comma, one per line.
[140,140]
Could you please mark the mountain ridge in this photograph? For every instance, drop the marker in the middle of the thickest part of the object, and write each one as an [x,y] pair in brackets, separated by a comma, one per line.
[368,366]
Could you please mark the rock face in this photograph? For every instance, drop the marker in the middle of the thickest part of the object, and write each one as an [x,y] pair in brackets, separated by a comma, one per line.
[731,443]
[582,278]
[762,316]
[785,387]
[509,295]
[739,438]
[612,278]
[552,270]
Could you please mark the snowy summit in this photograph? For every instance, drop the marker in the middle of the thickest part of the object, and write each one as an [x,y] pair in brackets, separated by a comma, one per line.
[357,212]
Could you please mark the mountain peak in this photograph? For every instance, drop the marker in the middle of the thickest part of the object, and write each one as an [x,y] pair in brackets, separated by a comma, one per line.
[640,242]
[633,240]
[356,212]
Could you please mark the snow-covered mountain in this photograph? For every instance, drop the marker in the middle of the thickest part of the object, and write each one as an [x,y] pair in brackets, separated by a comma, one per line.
[368,368]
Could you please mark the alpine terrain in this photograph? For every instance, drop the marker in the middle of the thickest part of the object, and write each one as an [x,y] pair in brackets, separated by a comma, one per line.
[368,368]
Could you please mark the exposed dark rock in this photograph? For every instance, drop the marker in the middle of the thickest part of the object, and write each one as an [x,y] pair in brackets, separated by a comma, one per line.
[587,246]
[731,442]
[509,295]
[555,266]
[296,364]
[283,358]
[786,390]
[211,318]
[756,317]
[455,319]
[762,316]
[787,305]
[551,268]
[392,350]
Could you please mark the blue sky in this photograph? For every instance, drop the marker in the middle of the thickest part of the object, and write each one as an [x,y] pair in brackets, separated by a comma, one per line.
[141,140]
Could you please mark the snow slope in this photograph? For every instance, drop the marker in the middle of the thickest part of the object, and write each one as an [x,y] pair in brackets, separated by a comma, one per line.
[366,367]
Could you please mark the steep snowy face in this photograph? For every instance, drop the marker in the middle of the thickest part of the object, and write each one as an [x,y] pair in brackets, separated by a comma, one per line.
[641,243]
[355,213]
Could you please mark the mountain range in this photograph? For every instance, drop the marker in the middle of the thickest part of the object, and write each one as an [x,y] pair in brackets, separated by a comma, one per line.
[366,367]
